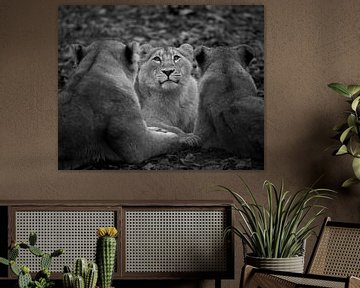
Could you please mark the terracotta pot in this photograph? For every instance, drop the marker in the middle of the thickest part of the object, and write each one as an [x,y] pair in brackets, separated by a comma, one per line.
[291,264]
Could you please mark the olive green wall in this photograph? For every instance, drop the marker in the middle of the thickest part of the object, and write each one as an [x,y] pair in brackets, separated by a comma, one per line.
[308,44]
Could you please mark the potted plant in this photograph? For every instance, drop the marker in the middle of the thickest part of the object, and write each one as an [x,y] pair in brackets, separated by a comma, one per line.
[276,233]
[87,274]
[84,274]
[42,278]
[106,254]
[348,132]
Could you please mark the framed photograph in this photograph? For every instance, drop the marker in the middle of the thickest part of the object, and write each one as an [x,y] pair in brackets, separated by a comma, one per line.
[161,87]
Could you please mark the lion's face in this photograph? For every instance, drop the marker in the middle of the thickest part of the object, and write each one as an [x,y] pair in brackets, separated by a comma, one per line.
[165,68]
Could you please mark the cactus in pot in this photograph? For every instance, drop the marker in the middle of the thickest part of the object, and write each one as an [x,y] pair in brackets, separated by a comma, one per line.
[106,254]
[85,275]
[42,278]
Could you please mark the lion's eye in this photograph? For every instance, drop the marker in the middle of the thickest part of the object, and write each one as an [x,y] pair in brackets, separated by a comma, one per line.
[157,59]
[176,58]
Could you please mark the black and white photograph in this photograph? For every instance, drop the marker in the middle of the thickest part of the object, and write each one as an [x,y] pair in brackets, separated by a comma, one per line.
[161,87]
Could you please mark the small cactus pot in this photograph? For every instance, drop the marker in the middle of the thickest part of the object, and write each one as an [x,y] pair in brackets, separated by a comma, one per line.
[105,255]
[85,275]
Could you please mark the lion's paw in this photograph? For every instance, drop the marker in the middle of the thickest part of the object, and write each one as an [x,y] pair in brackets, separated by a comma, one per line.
[190,140]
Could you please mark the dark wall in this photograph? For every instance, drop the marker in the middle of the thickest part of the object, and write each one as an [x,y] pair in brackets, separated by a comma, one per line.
[308,44]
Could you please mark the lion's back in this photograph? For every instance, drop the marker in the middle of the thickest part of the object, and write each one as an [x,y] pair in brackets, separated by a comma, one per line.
[231,116]
[98,92]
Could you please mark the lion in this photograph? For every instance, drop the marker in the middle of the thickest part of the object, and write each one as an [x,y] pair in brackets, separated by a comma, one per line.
[230,114]
[168,93]
[99,111]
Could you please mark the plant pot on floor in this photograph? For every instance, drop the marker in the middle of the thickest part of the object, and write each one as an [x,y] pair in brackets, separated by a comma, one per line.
[275,233]
[290,264]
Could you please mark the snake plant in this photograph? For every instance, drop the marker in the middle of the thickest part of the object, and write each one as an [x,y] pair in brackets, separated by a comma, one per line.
[279,228]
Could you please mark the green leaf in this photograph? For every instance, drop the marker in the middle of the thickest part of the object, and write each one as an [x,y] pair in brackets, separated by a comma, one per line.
[353,89]
[355,103]
[4,261]
[349,182]
[356,167]
[14,268]
[354,143]
[345,134]
[351,120]
[340,88]
[342,150]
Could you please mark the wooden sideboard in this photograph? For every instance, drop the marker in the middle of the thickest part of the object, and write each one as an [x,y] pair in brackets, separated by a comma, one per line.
[157,240]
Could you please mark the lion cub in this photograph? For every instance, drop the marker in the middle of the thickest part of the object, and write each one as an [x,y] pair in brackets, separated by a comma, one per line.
[230,115]
[99,111]
[168,93]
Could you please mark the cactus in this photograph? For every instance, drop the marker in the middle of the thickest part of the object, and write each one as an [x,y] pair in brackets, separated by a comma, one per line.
[44,273]
[57,252]
[67,269]
[36,251]
[24,278]
[91,276]
[68,280]
[90,272]
[45,261]
[13,253]
[80,267]
[79,282]
[32,238]
[105,254]
[24,245]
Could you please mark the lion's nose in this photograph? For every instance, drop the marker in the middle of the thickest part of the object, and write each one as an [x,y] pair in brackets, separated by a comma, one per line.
[168,72]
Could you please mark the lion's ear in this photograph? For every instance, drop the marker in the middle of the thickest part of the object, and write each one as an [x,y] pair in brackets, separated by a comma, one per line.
[187,50]
[78,52]
[246,54]
[132,53]
[201,53]
[145,49]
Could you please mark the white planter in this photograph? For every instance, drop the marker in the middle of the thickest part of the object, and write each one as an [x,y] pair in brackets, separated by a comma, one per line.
[291,264]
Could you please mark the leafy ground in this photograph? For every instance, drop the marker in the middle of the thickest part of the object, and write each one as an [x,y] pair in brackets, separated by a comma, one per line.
[170,25]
